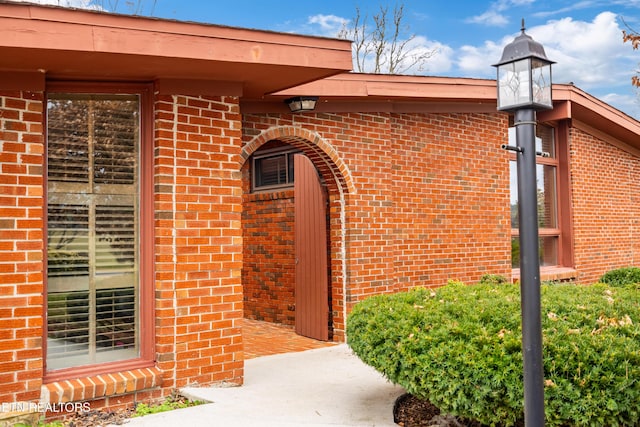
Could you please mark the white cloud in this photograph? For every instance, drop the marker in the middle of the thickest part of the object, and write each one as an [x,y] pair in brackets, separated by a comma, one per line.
[81,4]
[494,16]
[491,17]
[590,54]
[440,61]
[628,103]
[476,61]
[327,25]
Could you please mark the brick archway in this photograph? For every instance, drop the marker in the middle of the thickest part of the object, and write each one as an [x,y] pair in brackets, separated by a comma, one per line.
[338,180]
[323,155]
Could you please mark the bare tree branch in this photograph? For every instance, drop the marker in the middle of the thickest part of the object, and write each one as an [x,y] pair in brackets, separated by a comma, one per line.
[132,7]
[632,36]
[384,49]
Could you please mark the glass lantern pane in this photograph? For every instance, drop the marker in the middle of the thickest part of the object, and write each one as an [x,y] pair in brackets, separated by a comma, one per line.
[541,79]
[513,84]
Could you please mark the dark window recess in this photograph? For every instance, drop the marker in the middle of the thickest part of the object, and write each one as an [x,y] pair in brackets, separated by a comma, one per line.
[272,171]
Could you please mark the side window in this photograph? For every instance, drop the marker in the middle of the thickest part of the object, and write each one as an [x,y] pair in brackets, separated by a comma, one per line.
[272,169]
[93,229]
[547,188]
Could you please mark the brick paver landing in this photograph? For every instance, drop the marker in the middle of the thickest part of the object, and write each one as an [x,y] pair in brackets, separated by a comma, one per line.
[264,338]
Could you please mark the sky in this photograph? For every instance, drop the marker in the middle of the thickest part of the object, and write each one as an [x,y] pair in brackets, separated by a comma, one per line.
[583,37]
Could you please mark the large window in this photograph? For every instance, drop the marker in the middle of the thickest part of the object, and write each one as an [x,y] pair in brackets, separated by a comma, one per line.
[95,197]
[547,189]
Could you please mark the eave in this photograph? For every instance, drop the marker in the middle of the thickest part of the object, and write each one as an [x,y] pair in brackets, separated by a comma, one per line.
[63,43]
[355,92]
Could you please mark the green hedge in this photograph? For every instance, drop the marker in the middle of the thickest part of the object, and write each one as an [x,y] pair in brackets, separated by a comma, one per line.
[459,347]
[622,276]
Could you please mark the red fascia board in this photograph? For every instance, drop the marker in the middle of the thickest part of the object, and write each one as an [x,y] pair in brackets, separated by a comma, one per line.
[397,86]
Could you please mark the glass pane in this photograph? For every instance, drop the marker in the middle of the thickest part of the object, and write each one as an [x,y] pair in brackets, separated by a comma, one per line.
[513,191]
[541,82]
[115,136]
[92,237]
[513,81]
[547,251]
[291,162]
[271,170]
[546,182]
[547,196]
[68,240]
[545,140]
[515,252]
[68,141]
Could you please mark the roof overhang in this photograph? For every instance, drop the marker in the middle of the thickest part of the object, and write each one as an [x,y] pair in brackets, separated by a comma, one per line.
[356,92]
[63,43]
[594,116]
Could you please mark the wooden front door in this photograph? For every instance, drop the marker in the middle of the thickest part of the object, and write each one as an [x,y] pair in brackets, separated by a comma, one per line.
[312,279]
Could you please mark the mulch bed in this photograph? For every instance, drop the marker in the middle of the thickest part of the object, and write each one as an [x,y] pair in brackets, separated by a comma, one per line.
[99,418]
[409,411]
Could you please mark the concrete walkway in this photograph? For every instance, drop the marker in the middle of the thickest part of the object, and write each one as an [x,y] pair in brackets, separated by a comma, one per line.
[324,387]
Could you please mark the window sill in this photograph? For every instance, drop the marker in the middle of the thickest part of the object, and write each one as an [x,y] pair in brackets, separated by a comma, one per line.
[269,195]
[549,274]
[99,386]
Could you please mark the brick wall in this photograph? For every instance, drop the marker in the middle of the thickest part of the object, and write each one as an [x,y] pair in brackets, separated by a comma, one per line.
[21,245]
[424,199]
[198,253]
[268,272]
[450,198]
[198,240]
[606,208]
[414,200]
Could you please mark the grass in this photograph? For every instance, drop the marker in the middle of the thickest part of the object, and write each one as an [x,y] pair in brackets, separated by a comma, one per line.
[174,401]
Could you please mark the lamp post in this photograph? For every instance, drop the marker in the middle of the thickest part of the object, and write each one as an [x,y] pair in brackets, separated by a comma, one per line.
[524,86]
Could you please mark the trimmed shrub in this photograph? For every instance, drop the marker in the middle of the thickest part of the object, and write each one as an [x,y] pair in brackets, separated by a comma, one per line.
[459,347]
[493,279]
[622,276]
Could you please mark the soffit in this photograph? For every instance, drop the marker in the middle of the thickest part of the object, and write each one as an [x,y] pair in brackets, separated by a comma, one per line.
[78,44]
[353,92]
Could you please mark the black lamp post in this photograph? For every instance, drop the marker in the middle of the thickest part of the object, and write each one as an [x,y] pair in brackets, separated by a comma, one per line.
[524,86]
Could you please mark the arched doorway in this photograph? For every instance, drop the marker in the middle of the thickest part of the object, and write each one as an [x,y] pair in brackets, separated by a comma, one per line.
[272,267]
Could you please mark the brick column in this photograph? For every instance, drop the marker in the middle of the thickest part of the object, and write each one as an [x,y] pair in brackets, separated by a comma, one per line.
[21,245]
[198,240]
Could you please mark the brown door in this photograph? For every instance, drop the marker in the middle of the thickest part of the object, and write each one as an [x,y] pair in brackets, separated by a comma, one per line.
[311,289]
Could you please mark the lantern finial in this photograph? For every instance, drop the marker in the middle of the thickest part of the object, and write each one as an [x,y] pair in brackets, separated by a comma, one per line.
[523,27]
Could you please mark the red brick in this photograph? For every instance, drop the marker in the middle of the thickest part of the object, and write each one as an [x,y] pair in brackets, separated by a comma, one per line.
[413,199]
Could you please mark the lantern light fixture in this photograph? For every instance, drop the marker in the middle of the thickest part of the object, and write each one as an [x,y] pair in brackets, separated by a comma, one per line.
[301,103]
[524,75]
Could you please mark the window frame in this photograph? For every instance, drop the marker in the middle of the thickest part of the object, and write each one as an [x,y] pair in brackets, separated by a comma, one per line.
[146,357]
[285,151]
[562,231]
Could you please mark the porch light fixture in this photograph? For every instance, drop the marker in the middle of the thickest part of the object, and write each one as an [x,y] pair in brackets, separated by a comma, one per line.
[301,103]
[524,75]
[524,86]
